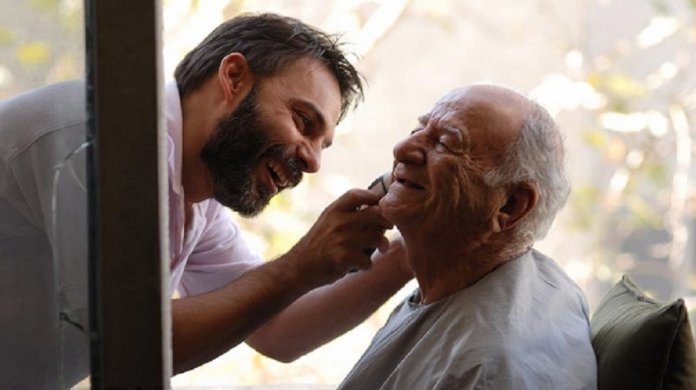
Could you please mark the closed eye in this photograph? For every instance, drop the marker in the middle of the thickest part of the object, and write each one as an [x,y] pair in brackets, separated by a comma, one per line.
[417,129]
[309,128]
[452,139]
[305,121]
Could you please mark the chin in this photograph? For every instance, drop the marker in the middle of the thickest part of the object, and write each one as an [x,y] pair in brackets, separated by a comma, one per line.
[244,205]
[393,209]
[248,211]
[394,215]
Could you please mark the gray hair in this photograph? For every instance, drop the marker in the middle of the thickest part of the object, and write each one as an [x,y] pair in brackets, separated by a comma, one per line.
[537,156]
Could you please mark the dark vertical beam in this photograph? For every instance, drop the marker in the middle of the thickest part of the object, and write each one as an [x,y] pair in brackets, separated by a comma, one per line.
[129,324]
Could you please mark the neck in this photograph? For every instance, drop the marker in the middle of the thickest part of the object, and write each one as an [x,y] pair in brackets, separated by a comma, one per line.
[443,268]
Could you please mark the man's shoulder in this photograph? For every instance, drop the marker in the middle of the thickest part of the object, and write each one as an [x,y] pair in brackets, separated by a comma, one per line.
[515,295]
[33,114]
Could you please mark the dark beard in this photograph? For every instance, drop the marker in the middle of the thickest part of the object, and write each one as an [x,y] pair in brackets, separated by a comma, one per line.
[233,153]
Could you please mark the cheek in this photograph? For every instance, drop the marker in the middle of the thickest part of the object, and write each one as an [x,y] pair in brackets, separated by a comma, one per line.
[458,198]
[452,183]
[278,124]
[277,131]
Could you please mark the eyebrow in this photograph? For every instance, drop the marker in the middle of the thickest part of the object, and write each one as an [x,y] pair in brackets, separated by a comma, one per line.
[455,131]
[423,119]
[461,134]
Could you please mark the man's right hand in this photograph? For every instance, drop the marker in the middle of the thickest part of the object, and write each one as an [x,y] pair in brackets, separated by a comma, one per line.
[338,240]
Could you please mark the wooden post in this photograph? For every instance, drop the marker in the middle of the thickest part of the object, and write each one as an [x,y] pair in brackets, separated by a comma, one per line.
[129,299]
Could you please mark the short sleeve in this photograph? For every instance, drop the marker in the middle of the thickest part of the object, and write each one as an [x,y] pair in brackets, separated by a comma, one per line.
[220,256]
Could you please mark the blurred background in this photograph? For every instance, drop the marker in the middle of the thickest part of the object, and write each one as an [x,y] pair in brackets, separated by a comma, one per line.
[619,76]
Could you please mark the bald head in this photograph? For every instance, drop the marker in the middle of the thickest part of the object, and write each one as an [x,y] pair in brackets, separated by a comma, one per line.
[505,101]
[491,106]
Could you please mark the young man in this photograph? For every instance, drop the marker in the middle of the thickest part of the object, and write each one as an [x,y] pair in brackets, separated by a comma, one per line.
[252,109]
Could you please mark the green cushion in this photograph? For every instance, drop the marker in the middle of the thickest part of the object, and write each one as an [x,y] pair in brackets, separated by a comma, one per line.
[641,343]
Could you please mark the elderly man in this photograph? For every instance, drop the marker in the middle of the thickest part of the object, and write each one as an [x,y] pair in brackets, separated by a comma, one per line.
[475,184]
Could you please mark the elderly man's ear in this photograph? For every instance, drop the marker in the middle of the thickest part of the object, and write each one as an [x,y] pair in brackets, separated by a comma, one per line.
[518,204]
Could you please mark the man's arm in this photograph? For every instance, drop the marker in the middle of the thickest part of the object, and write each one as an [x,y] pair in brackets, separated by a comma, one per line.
[208,325]
[327,312]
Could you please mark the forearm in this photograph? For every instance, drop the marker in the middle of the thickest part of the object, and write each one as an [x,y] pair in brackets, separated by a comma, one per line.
[207,325]
[329,311]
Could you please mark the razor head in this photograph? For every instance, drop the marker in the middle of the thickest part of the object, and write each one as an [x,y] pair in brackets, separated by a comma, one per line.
[381,184]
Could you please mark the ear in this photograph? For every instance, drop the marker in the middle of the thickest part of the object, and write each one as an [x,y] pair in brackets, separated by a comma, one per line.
[519,203]
[234,76]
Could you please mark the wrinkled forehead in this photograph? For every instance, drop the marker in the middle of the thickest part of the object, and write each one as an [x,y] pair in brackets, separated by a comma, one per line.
[490,107]
[490,116]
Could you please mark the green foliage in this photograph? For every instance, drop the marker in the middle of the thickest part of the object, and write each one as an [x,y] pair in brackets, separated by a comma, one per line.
[595,138]
[44,5]
[586,200]
[661,6]
[33,53]
[621,90]
[7,37]
[641,164]
[656,173]
[46,48]
[643,213]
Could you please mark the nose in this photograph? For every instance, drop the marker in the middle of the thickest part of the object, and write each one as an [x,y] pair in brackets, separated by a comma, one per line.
[310,155]
[410,150]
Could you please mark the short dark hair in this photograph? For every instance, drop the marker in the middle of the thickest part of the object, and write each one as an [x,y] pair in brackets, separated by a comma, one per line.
[269,42]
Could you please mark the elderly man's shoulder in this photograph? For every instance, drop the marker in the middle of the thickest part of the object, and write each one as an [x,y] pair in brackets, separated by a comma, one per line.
[524,317]
[528,287]
[552,273]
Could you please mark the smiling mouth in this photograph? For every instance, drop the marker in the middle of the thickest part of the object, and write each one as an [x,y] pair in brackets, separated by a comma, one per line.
[409,184]
[280,178]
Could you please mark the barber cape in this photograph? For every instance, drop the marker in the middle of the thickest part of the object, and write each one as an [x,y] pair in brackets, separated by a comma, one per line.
[523,326]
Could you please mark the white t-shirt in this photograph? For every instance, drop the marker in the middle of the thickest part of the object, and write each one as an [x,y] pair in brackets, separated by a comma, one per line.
[523,326]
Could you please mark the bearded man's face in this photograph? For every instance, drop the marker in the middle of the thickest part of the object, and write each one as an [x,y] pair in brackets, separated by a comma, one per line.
[233,154]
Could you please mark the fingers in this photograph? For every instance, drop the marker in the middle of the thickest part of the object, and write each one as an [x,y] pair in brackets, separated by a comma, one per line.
[372,218]
[395,244]
[372,240]
[343,237]
[382,247]
[384,244]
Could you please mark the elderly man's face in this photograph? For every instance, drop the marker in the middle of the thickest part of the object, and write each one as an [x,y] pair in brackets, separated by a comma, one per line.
[438,170]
